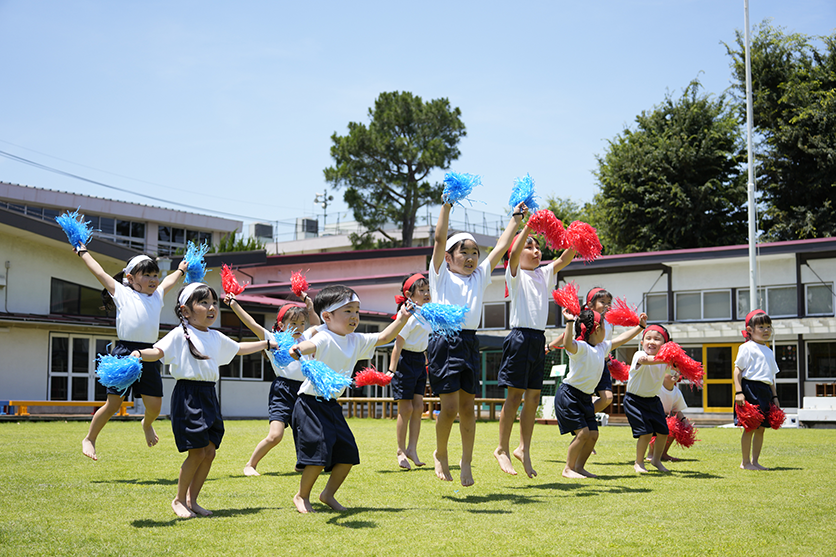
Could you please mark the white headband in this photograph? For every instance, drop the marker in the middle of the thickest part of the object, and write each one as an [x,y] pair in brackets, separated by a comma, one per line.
[338,305]
[133,263]
[187,292]
[456,238]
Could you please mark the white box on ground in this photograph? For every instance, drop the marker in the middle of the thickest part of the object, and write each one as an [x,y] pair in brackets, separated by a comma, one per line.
[818,409]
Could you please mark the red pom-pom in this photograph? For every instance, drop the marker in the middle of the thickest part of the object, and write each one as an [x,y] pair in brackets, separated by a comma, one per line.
[622,314]
[749,416]
[298,283]
[583,238]
[673,355]
[776,417]
[229,282]
[567,297]
[619,370]
[370,376]
[544,222]
[683,432]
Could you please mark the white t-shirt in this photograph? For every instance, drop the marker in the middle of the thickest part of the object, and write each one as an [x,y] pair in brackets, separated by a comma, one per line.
[220,348]
[529,292]
[415,335]
[461,290]
[645,380]
[340,353]
[293,370]
[587,365]
[137,315]
[757,361]
[672,401]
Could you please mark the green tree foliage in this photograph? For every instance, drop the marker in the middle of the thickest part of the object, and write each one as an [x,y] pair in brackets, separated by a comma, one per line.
[675,181]
[385,165]
[794,114]
[230,243]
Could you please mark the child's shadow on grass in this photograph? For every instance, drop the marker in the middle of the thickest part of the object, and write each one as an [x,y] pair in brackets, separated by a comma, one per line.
[404,470]
[158,481]
[493,497]
[342,518]
[225,513]
[692,475]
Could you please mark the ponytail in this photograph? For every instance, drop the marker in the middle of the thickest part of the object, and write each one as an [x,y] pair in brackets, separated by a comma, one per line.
[587,321]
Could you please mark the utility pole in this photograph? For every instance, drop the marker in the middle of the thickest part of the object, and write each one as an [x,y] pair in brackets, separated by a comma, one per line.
[323,198]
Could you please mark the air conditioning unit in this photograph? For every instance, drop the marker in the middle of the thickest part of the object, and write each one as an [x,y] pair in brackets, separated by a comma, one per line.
[306,228]
[262,231]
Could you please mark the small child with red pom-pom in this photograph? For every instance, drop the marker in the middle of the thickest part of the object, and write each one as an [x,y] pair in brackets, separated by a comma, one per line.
[673,403]
[754,382]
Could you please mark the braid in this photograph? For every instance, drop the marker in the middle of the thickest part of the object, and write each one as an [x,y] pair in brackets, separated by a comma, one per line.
[197,355]
[587,318]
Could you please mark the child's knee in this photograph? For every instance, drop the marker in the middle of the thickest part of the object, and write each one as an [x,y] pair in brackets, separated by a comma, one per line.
[275,437]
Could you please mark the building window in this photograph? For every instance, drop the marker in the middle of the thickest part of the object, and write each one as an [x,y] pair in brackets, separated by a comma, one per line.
[786,382]
[656,307]
[73,299]
[714,305]
[819,299]
[821,360]
[171,239]
[493,316]
[777,301]
[72,367]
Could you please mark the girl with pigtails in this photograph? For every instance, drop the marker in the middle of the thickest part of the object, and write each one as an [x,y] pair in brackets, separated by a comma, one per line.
[573,401]
[136,293]
[195,353]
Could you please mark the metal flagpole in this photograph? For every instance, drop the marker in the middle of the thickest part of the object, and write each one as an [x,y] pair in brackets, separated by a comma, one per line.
[753,266]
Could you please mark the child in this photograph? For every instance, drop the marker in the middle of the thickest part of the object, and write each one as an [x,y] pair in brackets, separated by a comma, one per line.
[673,403]
[457,278]
[195,353]
[408,367]
[573,401]
[642,404]
[285,387]
[323,439]
[754,382]
[523,351]
[137,295]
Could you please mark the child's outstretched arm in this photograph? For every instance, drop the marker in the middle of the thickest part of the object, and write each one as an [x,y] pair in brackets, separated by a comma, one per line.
[507,237]
[630,333]
[396,355]
[105,279]
[245,348]
[565,258]
[149,354]
[440,238]
[246,318]
[313,318]
[305,348]
[388,334]
[171,278]
[556,343]
[568,337]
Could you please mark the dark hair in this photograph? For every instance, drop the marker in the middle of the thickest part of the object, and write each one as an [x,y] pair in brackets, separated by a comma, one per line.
[587,319]
[531,238]
[199,293]
[330,295]
[291,313]
[602,293]
[757,319]
[415,285]
[459,244]
[145,267]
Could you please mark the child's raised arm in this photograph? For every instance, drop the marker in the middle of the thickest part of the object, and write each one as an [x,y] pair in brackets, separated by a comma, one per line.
[388,334]
[630,333]
[569,343]
[171,279]
[565,258]
[516,251]
[313,318]
[105,279]
[246,318]
[507,237]
[440,239]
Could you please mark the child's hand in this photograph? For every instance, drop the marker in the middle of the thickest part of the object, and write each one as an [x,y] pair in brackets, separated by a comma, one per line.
[81,247]
[522,209]
[567,315]
[228,298]
[407,308]
[136,354]
[183,267]
[740,399]
[390,373]
[294,352]
[643,320]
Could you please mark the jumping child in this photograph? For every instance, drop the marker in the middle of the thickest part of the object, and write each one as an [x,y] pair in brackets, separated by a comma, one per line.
[285,387]
[323,440]
[195,353]
[573,401]
[523,351]
[754,382]
[137,295]
[408,366]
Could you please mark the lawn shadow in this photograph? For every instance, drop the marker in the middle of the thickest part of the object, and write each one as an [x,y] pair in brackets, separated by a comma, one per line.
[341,517]
[404,470]
[781,469]
[493,497]
[159,481]
[225,513]
[590,488]
[694,475]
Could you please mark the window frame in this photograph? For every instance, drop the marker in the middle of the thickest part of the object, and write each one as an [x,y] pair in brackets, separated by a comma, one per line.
[702,294]
[828,285]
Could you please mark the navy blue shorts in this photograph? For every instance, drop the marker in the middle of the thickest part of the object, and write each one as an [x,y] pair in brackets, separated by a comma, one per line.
[646,415]
[323,437]
[411,378]
[196,415]
[523,359]
[605,384]
[759,394]
[455,363]
[149,383]
[282,399]
[574,410]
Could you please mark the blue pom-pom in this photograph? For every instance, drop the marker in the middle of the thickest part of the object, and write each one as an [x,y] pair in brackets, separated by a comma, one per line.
[118,372]
[524,193]
[284,340]
[77,230]
[458,186]
[196,270]
[326,382]
[445,319]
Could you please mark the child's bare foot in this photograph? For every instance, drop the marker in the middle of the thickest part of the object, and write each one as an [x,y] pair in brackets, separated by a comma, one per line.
[413,456]
[403,461]
[181,510]
[668,458]
[569,473]
[748,466]
[302,505]
[523,457]
[466,474]
[759,467]
[331,502]
[504,461]
[250,471]
[442,468]
[583,472]
[640,467]
[150,435]
[88,448]
[198,510]
[659,466]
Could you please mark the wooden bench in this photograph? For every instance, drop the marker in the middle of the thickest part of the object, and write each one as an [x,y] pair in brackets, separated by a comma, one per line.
[22,406]
[366,407]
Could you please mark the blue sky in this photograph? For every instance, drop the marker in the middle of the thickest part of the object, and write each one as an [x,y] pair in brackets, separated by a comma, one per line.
[229,107]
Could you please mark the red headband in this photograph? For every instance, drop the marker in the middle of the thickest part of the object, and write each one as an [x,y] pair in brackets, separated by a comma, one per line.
[591,295]
[407,285]
[658,329]
[282,311]
[749,317]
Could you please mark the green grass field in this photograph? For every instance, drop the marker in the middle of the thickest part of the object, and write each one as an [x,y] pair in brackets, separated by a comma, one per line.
[54,501]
